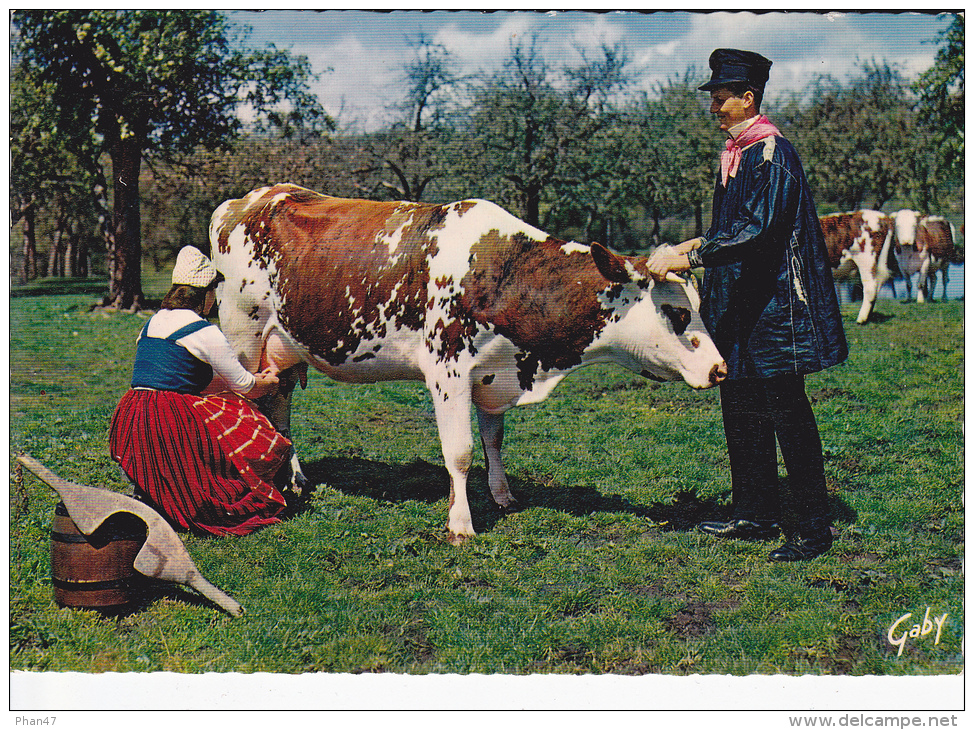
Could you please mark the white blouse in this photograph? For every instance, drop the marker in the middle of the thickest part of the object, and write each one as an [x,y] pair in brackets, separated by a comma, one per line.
[208,344]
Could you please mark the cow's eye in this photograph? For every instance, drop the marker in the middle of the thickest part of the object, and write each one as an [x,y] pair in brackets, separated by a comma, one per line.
[678,316]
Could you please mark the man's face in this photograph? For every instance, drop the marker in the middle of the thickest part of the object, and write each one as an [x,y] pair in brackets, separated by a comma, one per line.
[730,109]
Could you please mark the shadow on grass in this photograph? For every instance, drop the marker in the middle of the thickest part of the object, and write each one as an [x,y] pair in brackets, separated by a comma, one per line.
[879,318]
[686,510]
[425,482]
[145,591]
[58,286]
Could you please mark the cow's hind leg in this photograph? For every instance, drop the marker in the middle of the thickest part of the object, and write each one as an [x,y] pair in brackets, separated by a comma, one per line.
[451,403]
[922,280]
[492,436]
[277,407]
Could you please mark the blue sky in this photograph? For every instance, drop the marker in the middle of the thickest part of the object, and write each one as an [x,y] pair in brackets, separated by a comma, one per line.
[366,50]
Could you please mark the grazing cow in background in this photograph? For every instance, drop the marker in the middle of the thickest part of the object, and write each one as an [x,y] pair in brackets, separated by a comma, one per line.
[924,244]
[859,240]
[478,305]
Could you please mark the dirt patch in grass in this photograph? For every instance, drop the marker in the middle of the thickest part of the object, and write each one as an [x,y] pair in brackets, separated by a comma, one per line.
[696,618]
[825,394]
[840,660]
[417,643]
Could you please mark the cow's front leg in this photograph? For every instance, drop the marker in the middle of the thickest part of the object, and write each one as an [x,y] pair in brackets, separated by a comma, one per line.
[451,403]
[492,436]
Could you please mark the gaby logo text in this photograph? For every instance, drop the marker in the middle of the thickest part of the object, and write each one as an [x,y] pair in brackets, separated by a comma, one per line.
[901,630]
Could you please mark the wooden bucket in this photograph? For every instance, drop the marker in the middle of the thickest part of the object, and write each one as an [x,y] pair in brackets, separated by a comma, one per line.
[95,571]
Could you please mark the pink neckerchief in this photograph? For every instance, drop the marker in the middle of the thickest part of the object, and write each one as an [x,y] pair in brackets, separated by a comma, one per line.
[730,158]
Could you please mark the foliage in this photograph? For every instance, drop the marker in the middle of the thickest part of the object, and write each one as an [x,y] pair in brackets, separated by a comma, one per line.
[153,82]
[564,144]
[681,143]
[529,131]
[50,170]
[597,571]
[855,139]
[941,90]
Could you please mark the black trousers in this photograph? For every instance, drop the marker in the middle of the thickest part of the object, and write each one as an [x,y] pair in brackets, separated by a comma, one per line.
[757,413]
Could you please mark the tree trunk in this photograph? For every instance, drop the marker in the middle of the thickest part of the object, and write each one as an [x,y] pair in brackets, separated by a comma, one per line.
[29,271]
[532,205]
[73,253]
[698,220]
[125,251]
[55,266]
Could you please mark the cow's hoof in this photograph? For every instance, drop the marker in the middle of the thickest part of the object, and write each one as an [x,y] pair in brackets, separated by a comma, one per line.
[458,540]
[504,500]
[300,485]
[511,505]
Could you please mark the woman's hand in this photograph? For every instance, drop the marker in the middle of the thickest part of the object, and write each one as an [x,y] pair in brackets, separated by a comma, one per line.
[266,383]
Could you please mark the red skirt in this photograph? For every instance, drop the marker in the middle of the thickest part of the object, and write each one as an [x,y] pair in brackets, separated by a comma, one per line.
[208,464]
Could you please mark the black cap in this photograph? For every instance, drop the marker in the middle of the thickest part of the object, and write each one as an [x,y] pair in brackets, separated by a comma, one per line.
[731,66]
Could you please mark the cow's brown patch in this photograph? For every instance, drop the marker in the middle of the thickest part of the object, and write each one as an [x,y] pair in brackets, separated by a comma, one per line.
[842,230]
[934,234]
[543,300]
[342,244]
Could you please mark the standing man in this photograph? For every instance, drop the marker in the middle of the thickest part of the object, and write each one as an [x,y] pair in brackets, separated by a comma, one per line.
[769,302]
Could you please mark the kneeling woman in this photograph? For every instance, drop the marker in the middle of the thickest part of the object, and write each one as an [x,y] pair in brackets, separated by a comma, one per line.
[185,434]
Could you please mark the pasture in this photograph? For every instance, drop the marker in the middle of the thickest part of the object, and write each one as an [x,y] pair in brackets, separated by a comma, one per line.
[598,570]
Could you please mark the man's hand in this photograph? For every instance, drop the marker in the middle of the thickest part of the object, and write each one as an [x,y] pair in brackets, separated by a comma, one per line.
[666,262]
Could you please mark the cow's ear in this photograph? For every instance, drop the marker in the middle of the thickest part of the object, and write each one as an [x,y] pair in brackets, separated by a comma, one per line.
[611,266]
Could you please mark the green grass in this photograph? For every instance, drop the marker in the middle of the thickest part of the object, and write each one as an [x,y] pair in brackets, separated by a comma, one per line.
[598,571]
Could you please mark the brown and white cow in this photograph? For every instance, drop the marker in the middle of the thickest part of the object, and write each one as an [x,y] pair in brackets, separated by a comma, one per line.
[478,305]
[924,244]
[859,241]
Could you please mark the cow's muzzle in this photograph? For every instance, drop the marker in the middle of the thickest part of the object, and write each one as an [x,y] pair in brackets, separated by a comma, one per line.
[718,373]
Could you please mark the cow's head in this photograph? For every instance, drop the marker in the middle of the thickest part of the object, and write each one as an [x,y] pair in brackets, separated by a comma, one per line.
[905,229]
[657,325]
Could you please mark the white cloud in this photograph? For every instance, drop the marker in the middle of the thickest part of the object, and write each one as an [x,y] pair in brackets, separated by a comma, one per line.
[369,50]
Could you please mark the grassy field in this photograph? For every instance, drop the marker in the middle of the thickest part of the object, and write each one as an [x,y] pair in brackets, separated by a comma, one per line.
[599,569]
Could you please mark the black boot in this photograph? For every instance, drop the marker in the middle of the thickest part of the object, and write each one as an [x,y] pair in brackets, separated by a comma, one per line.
[809,544]
[741,529]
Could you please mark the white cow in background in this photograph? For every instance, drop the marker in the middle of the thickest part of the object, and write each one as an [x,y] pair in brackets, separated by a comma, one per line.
[923,244]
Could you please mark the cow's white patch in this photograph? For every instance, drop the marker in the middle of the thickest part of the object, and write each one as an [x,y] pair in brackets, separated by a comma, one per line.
[572,247]
[252,197]
[873,219]
[280,197]
[906,227]
[392,241]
